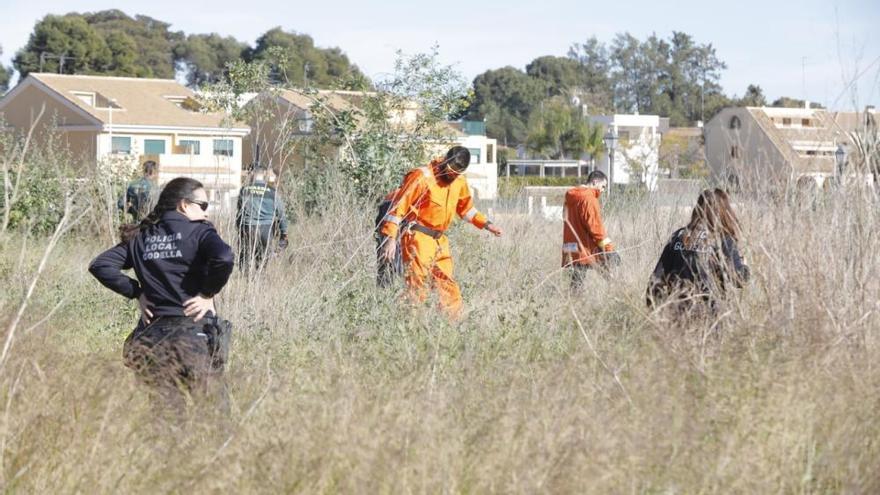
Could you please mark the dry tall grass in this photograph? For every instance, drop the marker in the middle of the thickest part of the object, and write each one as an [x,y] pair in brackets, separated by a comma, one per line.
[339,387]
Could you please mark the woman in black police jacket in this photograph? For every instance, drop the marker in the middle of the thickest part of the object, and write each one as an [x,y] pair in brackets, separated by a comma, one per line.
[701,261]
[180,263]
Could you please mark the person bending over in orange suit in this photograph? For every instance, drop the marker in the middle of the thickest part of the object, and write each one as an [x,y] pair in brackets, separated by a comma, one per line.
[429,198]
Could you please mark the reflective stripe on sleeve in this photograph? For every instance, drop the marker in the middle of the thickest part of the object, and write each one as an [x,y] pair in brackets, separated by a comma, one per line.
[425,171]
[469,216]
[393,219]
[604,242]
[570,247]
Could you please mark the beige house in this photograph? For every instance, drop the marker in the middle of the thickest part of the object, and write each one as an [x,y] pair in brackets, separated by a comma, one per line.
[280,118]
[763,148]
[126,121]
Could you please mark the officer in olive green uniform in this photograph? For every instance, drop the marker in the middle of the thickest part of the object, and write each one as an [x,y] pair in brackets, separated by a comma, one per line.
[260,217]
[138,198]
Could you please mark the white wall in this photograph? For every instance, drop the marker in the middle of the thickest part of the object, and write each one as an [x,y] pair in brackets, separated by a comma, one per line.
[637,161]
[221,175]
[482,176]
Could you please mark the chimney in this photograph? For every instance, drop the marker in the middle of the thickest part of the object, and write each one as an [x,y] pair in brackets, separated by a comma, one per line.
[806,104]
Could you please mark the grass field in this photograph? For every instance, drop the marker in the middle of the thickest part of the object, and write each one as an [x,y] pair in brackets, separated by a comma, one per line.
[339,387]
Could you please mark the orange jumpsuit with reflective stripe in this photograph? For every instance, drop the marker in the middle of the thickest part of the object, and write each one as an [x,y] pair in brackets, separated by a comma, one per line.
[431,202]
[583,234]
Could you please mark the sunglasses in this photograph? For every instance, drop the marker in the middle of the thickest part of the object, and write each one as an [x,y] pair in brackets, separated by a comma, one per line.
[202,204]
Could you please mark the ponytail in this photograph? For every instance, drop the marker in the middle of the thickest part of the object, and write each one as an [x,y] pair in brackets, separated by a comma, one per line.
[173,193]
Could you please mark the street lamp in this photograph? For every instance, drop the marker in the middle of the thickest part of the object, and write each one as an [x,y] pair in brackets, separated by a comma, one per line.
[110,128]
[840,156]
[611,145]
[304,124]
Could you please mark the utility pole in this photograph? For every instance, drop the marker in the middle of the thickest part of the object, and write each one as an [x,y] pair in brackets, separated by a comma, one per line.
[45,56]
[804,78]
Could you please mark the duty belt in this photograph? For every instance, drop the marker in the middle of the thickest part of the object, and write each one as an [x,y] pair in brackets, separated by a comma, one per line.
[435,234]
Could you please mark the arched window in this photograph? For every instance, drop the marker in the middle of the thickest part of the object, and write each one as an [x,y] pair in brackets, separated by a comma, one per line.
[735,151]
[735,123]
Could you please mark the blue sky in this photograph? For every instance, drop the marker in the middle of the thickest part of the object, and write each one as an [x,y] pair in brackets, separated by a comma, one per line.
[805,48]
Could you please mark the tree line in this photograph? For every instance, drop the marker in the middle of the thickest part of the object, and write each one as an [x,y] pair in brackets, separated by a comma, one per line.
[676,76]
[112,43]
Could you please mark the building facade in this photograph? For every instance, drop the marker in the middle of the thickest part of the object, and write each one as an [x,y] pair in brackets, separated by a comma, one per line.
[280,119]
[768,148]
[127,121]
[636,158]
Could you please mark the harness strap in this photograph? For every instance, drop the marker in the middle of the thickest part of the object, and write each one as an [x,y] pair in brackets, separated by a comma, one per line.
[434,234]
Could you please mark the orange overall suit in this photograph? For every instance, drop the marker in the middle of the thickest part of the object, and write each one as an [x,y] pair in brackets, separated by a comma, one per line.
[428,204]
[583,234]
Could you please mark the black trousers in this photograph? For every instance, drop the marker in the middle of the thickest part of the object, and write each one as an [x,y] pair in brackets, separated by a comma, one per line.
[179,358]
[578,275]
[386,271]
[255,243]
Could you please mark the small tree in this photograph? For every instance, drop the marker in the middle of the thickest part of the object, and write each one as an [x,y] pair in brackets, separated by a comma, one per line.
[558,131]
[372,142]
[399,126]
[595,143]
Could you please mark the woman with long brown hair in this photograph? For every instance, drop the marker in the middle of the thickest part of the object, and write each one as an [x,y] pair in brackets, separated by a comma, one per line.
[180,263]
[702,259]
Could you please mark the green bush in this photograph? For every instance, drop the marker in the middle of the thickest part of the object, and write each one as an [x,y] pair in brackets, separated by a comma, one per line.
[39,204]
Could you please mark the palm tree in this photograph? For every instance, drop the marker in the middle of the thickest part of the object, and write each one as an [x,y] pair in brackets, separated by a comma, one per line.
[595,142]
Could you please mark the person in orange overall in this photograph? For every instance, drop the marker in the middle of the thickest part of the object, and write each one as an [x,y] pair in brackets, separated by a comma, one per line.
[429,198]
[585,244]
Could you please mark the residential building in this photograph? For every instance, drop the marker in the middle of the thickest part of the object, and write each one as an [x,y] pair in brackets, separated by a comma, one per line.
[285,116]
[281,117]
[864,134]
[482,174]
[767,148]
[126,121]
[636,158]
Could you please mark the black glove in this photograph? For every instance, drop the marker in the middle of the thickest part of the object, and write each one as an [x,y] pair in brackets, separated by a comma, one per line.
[611,258]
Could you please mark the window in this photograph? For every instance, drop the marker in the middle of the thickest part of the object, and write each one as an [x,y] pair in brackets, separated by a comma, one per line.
[120,145]
[154,146]
[805,122]
[735,123]
[786,121]
[223,147]
[177,100]
[735,152]
[623,138]
[96,100]
[85,97]
[475,155]
[490,153]
[190,147]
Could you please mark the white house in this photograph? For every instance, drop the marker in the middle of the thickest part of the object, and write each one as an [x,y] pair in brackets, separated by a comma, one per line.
[636,157]
[482,173]
[126,121]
